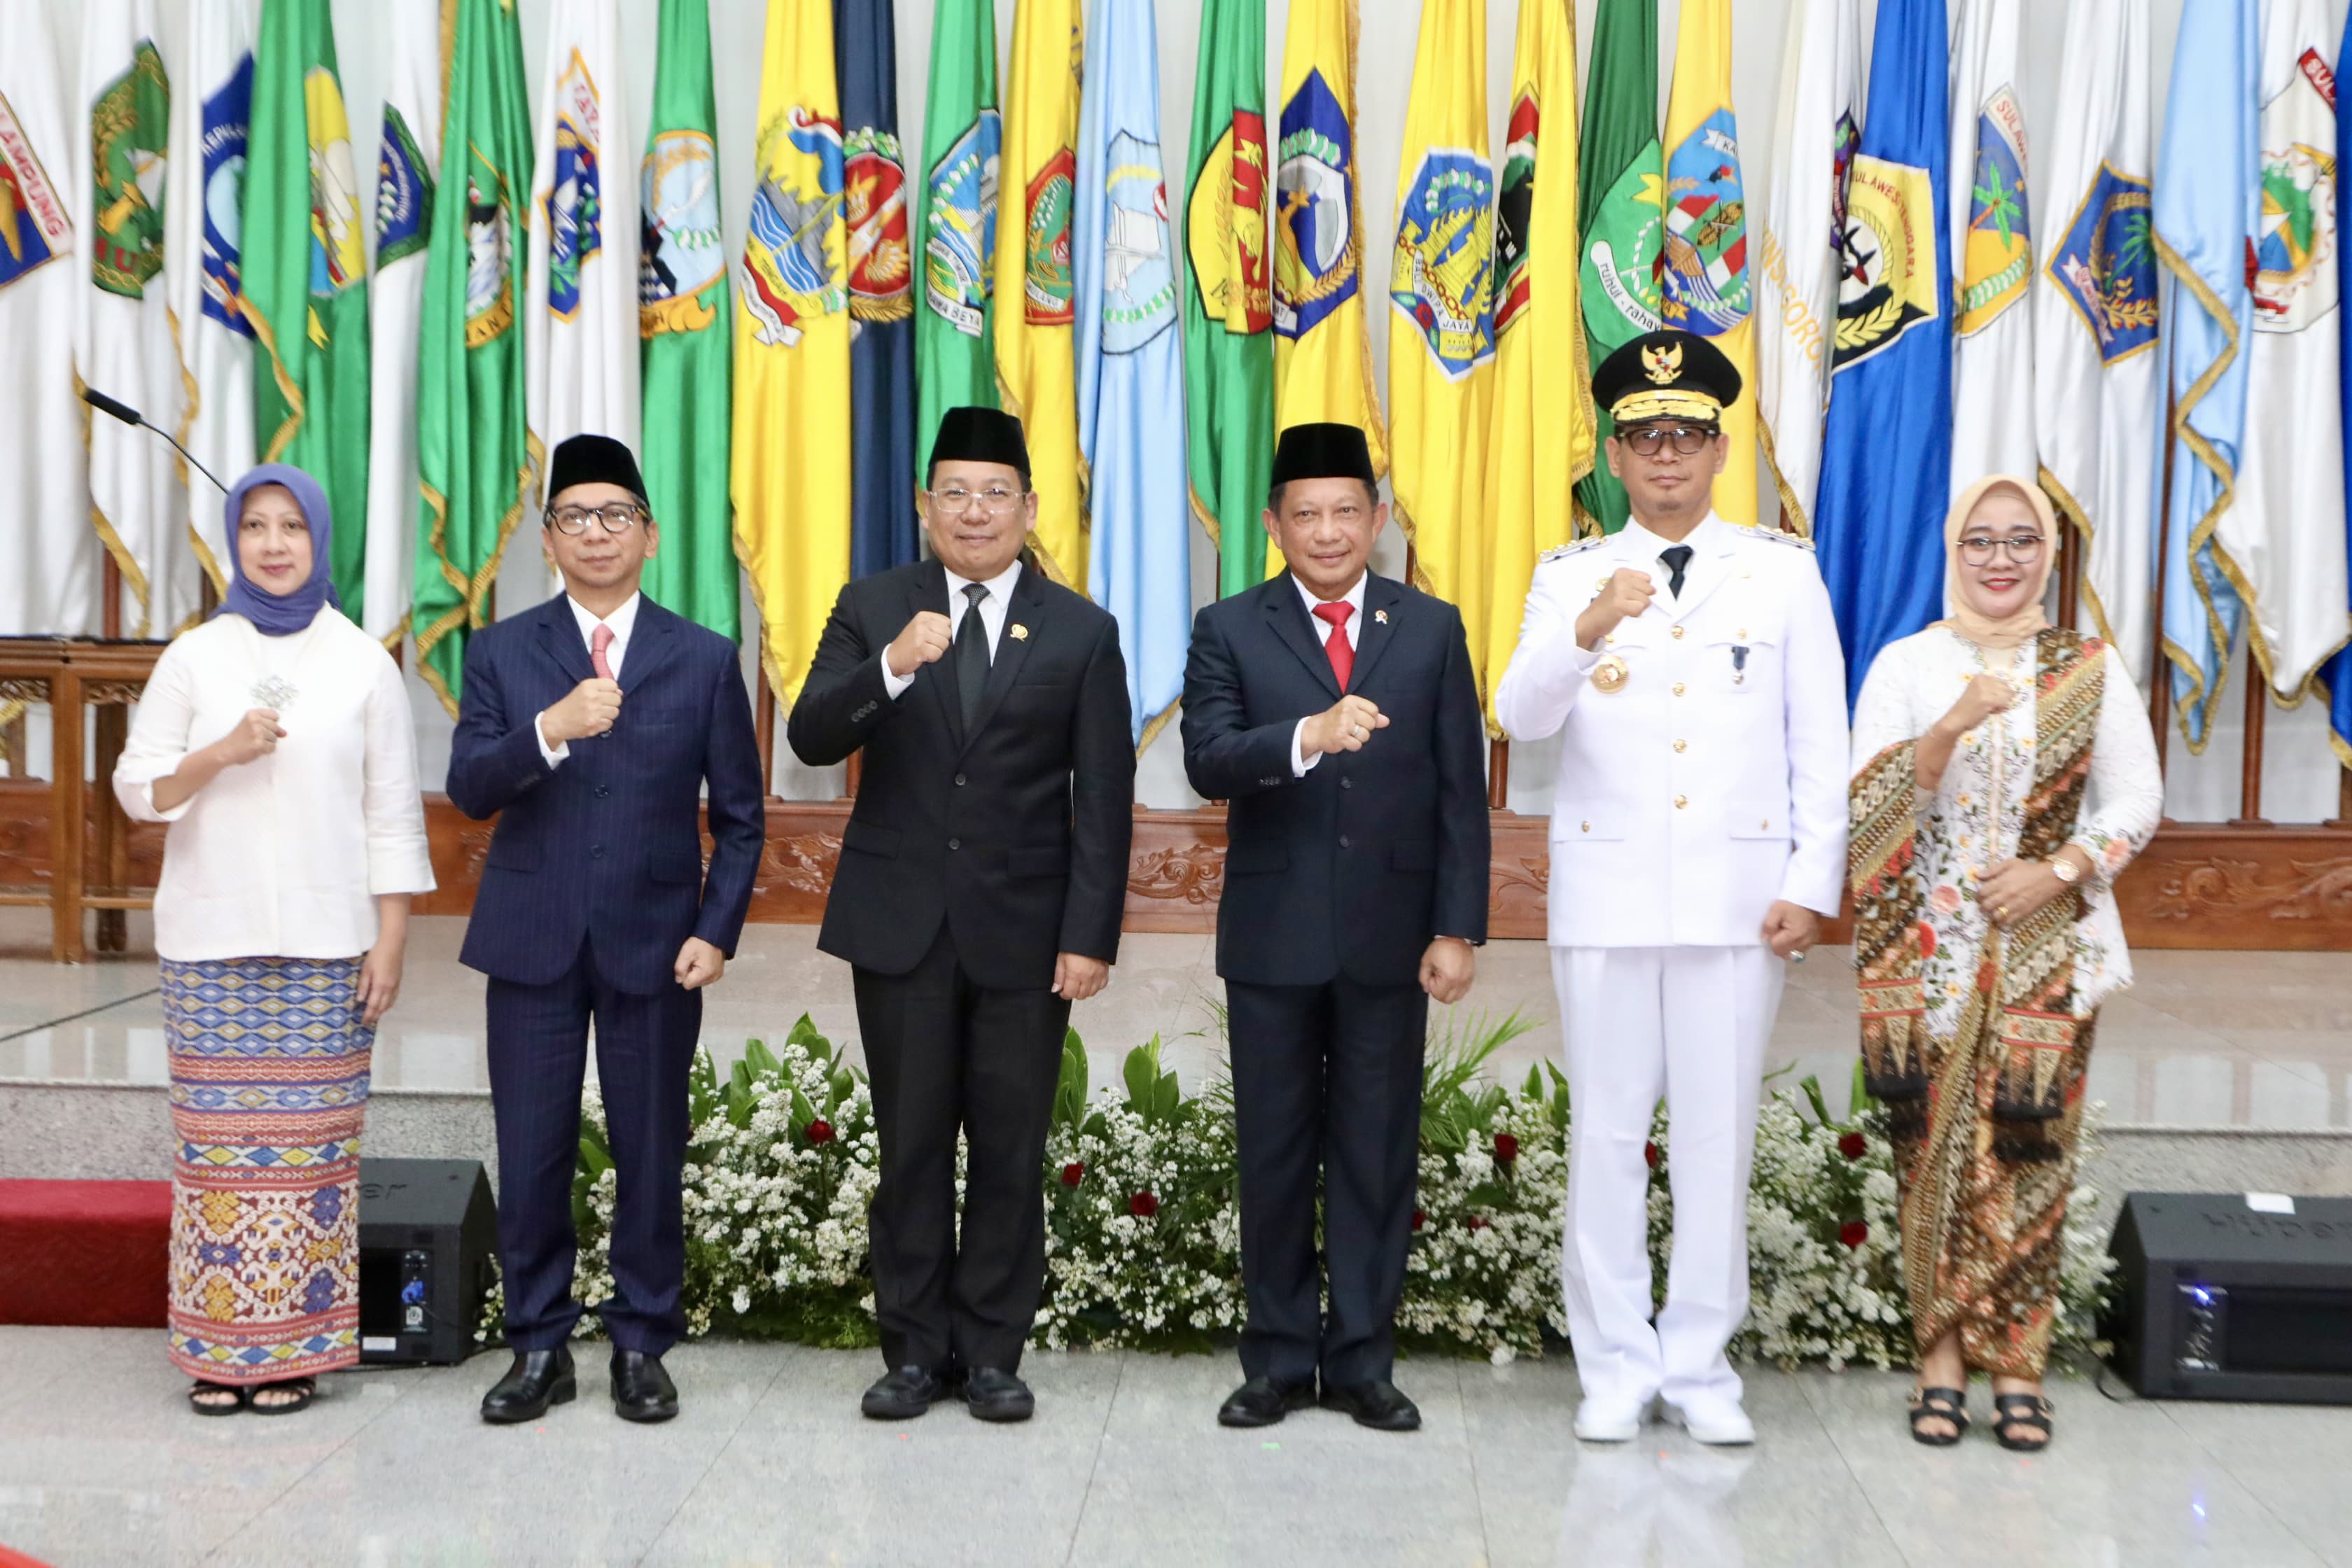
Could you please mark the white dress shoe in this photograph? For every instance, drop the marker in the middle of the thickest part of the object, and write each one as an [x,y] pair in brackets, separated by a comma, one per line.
[1720,1422]
[1604,1420]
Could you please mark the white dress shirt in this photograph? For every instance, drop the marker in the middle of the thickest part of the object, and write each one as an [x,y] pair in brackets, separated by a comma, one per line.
[622,621]
[284,856]
[1648,547]
[1300,763]
[993,611]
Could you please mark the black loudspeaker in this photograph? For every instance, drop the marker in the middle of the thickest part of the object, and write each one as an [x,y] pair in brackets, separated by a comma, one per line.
[428,1237]
[2217,1299]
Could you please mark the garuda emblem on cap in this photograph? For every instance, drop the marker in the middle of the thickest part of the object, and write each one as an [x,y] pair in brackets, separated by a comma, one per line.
[1663,363]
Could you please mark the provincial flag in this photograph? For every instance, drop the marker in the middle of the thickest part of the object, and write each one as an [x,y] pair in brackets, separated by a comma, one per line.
[1130,364]
[202,267]
[1705,283]
[686,331]
[1228,324]
[789,481]
[1795,279]
[1886,455]
[1035,351]
[306,277]
[475,468]
[1992,249]
[2207,207]
[2096,388]
[2338,676]
[1622,228]
[955,348]
[882,526]
[1542,435]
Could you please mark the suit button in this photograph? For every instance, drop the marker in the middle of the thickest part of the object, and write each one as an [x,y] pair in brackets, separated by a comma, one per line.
[1345,843]
[1678,634]
[603,790]
[1679,745]
[955,843]
[1678,689]
[597,852]
[1681,801]
[1347,784]
[959,781]
[1588,827]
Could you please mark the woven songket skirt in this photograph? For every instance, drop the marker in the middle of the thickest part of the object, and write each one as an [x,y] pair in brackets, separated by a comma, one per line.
[269,1081]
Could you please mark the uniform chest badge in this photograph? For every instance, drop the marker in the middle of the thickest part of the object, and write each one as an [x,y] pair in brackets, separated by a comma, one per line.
[1610,674]
[1020,633]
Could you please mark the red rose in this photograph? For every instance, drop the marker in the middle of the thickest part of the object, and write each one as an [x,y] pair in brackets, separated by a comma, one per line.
[1143,1205]
[1852,1145]
[1477,1222]
[820,1130]
[1853,1233]
[1650,1153]
[1926,940]
[1417,1217]
[1072,1173]
[1507,1148]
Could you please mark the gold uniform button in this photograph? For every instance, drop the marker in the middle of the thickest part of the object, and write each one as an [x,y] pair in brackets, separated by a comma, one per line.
[1741,633]
[1681,801]
[1588,827]
[1680,745]
[1765,825]
[1678,689]
[1678,632]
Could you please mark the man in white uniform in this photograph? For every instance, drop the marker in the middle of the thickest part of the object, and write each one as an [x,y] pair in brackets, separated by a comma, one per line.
[1697,840]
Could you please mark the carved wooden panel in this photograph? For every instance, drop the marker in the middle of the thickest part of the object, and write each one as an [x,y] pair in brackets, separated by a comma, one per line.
[2240,888]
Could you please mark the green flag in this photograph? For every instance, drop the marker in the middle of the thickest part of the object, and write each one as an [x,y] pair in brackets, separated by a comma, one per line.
[305,277]
[955,351]
[474,463]
[1229,308]
[1620,179]
[685,325]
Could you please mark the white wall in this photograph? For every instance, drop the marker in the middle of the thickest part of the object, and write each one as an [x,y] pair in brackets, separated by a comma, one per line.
[2301,774]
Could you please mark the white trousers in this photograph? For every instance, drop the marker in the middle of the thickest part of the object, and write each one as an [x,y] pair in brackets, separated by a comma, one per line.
[1689,1024]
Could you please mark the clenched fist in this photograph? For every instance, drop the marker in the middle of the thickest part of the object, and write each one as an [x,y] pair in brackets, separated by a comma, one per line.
[256,736]
[924,641]
[1344,726]
[589,709]
[1626,598]
[1984,696]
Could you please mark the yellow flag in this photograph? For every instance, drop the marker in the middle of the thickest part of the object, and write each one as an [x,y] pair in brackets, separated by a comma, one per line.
[1036,352]
[1441,315]
[789,473]
[1705,283]
[1543,428]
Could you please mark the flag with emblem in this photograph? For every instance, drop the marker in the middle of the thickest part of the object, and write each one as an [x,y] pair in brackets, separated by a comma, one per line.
[408,152]
[2207,204]
[955,347]
[474,466]
[788,455]
[2281,541]
[1816,132]
[1130,364]
[881,290]
[1704,283]
[2096,392]
[51,585]
[1992,249]
[306,277]
[685,330]
[1888,451]
[211,119]
[1035,352]
[126,349]
[1229,297]
[2338,676]
[1543,422]
[1621,191]
[1441,315]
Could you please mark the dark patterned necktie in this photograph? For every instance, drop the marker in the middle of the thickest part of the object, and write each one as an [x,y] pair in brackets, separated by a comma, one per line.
[1676,557]
[972,653]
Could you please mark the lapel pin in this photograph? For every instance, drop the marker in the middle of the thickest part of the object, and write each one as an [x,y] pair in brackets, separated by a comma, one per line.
[1020,633]
[1381,616]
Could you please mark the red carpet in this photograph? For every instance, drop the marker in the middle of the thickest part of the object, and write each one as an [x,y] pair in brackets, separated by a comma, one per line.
[84,1254]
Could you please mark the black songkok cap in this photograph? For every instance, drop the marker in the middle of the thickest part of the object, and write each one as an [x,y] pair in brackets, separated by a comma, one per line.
[1323,451]
[980,436]
[592,461]
[1666,374]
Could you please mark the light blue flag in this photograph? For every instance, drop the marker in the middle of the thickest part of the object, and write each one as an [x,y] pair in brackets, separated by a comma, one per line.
[1132,363]
[2208,202]
[2336,675]
[1886,453]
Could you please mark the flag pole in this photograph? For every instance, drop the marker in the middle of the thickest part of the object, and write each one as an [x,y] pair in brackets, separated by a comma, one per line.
[2159,699]
[1498,775]
[2250,762]
[763,725]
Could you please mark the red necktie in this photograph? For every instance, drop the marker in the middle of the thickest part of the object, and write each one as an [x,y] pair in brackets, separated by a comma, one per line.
[1335,647]
[598,641]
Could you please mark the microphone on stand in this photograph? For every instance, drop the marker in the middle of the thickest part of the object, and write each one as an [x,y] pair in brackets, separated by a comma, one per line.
[130,416]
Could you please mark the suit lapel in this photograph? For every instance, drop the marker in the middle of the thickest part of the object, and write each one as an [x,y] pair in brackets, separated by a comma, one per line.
[1382,596]
[651,642]
[1287,613]
[559,633]
[936,681]
[1021,618]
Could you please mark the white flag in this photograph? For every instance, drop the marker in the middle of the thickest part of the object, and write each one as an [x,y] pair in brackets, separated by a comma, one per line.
[581,348]
[1993,250]
[136,500]
[1818,127]
[49,576]
[2284,537]
[2097,387]
[210,117]
[406,158]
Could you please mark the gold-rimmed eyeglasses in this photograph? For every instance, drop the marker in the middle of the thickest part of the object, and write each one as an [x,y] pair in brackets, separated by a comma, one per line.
[995,500]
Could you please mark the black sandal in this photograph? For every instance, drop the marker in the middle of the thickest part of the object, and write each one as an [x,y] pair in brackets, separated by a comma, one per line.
[206,1399]
[303,1389]
[1949,1405]
[2017,1418]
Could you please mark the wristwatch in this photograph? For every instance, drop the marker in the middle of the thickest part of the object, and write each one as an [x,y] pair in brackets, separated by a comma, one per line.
[2065,871]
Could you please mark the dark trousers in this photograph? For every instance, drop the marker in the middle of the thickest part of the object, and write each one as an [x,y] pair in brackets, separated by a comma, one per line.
[539,1052]
[1327,1082]
[944,1053]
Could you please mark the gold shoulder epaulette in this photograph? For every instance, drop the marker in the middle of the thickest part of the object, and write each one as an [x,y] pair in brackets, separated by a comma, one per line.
[1779,536]
[1560,551]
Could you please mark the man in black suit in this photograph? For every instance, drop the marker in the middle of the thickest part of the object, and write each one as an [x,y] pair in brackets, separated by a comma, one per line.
[590,726]
[1335,711]
[981,878]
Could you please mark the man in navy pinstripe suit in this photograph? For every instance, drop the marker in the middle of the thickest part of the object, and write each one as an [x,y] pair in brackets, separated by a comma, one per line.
[590,726]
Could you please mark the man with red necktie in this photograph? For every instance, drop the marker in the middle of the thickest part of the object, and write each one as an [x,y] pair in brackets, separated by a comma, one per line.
[1335,711]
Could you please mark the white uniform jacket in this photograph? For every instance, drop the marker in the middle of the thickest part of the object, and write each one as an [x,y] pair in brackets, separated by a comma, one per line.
[1702,773]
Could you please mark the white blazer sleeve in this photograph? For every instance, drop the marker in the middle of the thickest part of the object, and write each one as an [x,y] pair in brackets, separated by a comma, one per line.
[2127,792]
[398,858]
[1547,670]
[1815,695]
[159,739]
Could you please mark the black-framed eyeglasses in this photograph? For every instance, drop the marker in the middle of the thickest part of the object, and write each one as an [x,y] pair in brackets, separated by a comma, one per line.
[618,517]
[2024,549]
[1648,440]
[996,500]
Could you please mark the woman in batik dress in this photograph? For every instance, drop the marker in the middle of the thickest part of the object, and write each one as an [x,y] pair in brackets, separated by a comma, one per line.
[2004,772]
[276,741]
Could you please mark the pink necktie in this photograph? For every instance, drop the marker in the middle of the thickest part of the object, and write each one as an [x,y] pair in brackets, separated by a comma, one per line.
[1336,646]
[598,641]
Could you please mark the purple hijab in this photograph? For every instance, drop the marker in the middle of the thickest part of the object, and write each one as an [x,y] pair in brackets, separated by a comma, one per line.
[281,614]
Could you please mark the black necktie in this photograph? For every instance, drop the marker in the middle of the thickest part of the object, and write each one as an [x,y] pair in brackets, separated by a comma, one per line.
[972,653]
[1676,557]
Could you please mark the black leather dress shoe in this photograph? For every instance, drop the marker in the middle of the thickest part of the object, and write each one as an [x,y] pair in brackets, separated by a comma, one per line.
[1376,1404]
[995,1396]
[642,1390]
[903,1394]
[536,1380]
[1263,1401]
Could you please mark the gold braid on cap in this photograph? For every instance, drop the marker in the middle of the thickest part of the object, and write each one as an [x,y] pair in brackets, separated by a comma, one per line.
[1666,403]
